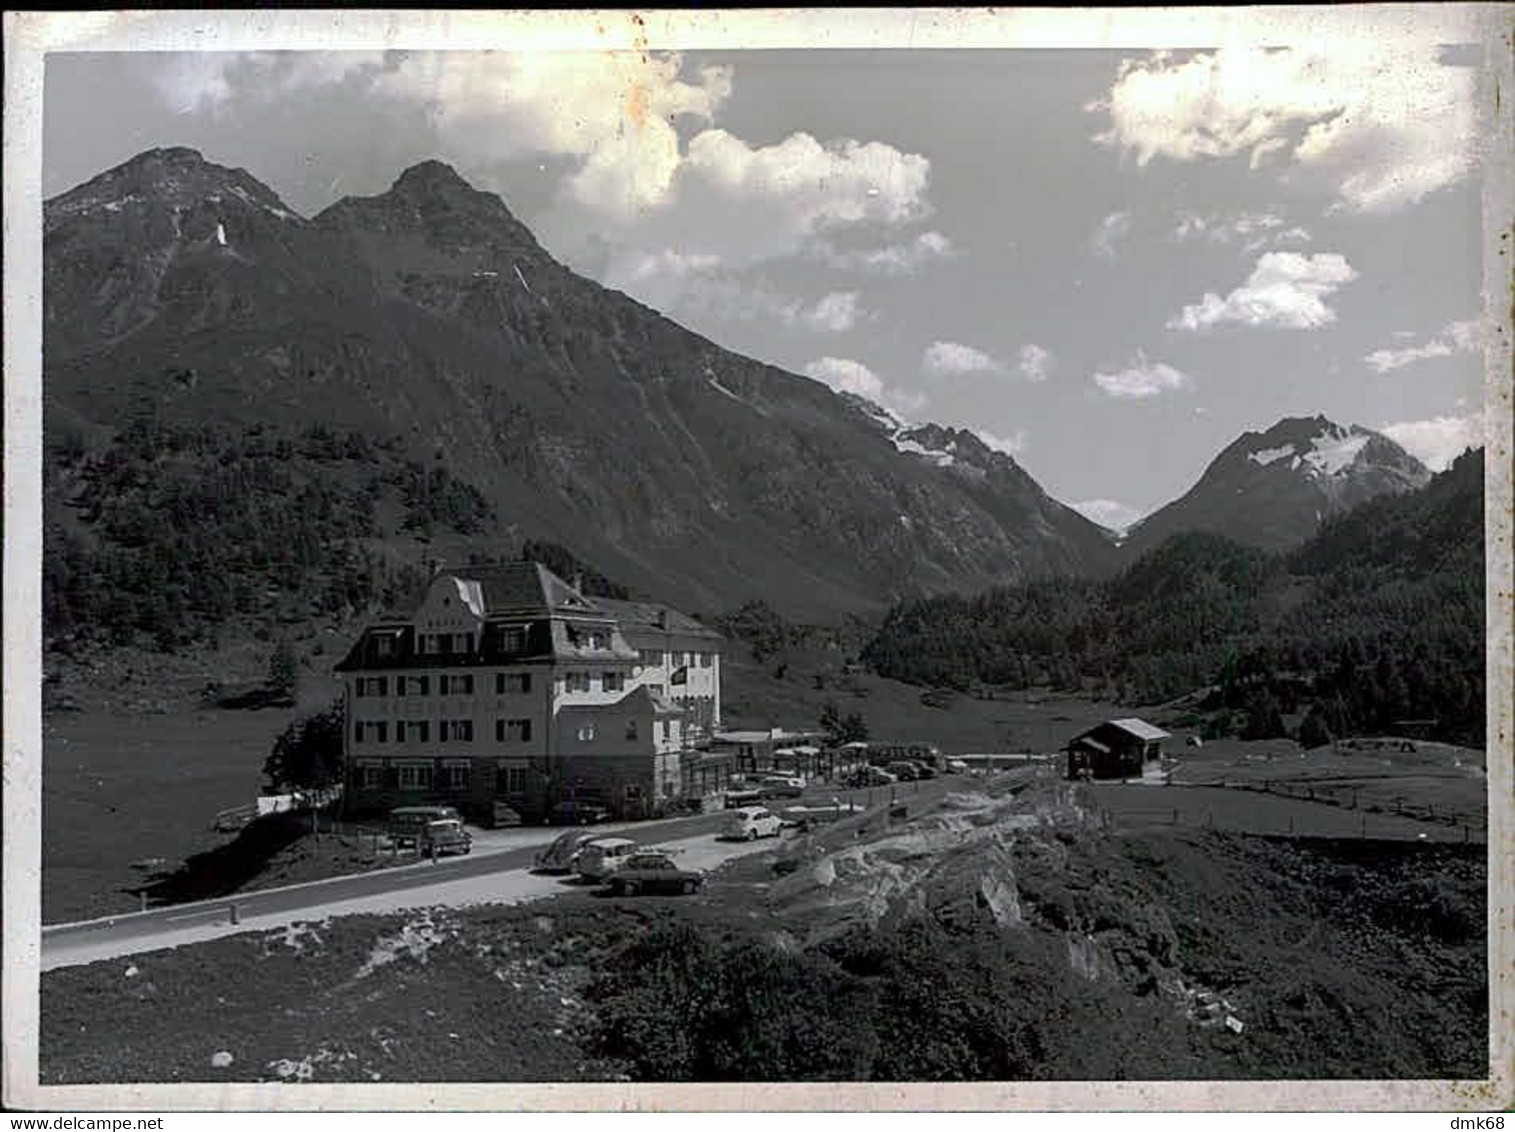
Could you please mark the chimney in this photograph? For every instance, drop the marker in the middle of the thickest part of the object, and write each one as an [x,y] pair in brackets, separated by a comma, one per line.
[578,582]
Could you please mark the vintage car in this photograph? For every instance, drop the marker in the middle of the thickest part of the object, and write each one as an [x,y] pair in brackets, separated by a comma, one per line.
[654,871]
[751,822]
[781,786]
[562,856]
[445,837]
[604,856]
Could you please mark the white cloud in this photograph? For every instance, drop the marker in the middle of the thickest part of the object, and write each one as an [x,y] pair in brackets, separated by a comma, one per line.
[1142,378]
[673,281]
[1109,513]
[1012,445]
[846,375]
[632,182]
[1378,118]
[834,312]
[1439,440]
[1035,362]
[1109,234]
[952,359]
[892,259]
[1454,338]
[1253,231]
[1285,289]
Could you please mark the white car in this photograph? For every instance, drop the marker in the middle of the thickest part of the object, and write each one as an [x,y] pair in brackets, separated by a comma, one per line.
[751,822]
[603,856]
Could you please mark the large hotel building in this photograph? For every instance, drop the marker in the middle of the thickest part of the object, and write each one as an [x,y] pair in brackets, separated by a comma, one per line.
[508,685]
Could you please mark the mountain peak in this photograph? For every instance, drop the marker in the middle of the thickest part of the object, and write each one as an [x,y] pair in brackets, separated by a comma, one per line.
[170,177]
[431,176]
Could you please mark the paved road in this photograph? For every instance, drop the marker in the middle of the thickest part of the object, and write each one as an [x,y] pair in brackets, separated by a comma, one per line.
[500,874]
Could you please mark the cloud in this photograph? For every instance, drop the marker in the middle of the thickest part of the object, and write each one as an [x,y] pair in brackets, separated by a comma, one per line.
[1109,513]
[1380,119]
[1454,338]
[848,376]
[1142,378]
[892,259]
[953,359]
[1252,230]
[1439,440]
[1035,362]
[1285,289]
[619,120]
[834,312]
[1012,445]
[1108,235]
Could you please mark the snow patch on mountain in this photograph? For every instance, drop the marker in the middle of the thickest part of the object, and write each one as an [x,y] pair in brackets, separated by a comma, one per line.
[1271,455]
[942,458]
[1332,455]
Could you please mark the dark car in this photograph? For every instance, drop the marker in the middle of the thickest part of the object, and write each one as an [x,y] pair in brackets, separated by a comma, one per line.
[653,872]
[923,770]
[577,813]
[904,770]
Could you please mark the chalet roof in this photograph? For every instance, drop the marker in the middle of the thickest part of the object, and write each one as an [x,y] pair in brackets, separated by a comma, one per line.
[644,621]
[1136,728]
[1140,728]
[525,589]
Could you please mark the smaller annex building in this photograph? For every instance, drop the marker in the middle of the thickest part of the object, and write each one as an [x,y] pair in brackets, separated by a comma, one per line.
[1117,748]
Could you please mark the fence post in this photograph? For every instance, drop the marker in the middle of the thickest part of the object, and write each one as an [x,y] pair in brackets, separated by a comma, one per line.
[1464,835]
[1175,815]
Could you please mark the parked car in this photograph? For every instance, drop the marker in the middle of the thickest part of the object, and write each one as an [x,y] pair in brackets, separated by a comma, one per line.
[445,837]
[904,770]
[736,799]
[751,822]
[562,856]
[872,776]
[577,813]
[923,770]
[781,786]
[603,856]
[653,871]
[408,823]
[957,766]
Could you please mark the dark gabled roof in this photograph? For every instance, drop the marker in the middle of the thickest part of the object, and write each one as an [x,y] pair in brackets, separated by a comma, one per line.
[525,589]
[639,620]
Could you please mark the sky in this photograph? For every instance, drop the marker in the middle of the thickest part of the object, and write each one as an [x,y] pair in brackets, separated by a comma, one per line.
[1107,263]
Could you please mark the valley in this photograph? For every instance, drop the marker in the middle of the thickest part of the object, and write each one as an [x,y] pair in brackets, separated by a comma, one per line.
[299,466]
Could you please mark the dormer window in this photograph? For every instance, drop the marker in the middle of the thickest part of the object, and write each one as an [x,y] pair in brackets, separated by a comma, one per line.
[513,639]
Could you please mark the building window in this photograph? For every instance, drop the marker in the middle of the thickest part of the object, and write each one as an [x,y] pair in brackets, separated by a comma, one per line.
[704,660]
[369,731]
[512,683]
[576,682]
[663,729]
[415,776]
[613,681]
[455,730]
[586,733]
[510,780]
[631,729]
[370,776]
[513,639]
[650,657]
[456,685]
[414,730]
[457,776]
[377,686]
[512,730]
[412,685]
[384,645]
[467,639]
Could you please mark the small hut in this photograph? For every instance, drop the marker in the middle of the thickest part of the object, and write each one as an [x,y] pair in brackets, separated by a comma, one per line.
[1117,748]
